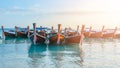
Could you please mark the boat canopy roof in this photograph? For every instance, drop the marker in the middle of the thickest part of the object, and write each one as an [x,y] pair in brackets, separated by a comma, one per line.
[41,28]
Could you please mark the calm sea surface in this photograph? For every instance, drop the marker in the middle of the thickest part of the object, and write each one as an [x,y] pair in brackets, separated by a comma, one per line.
[94,53]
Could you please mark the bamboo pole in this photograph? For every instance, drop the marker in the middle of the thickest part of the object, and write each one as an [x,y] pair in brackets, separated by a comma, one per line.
[102,31]
[59,30]
[2,28]
[41,28]
[28,31]
[90,31]
[103,28]
[16,30]
[82,29]
[52,30]
[34,28]
[3,31]
[82,35]
[114,31]
[65,31]
[77,28]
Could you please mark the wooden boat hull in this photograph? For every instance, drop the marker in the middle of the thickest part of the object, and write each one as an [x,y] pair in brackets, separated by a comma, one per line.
[96,35]
[117,36]
[39,40]
[108,35]
[75,39]
[53,39]
[9,35]
[87,34]
[21,34]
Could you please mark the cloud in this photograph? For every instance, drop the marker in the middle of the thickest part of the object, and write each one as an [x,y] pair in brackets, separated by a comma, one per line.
[37,9]
[20,10]
[30,11]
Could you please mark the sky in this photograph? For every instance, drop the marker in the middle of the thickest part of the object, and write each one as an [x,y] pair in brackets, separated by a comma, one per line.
[69,13]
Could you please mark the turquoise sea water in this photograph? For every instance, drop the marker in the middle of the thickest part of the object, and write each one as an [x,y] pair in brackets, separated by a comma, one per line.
[94,53]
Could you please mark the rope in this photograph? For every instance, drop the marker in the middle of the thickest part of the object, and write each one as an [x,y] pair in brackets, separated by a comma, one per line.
[40,36]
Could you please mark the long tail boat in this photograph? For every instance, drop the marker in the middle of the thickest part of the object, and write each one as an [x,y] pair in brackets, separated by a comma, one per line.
[117,35]
[8,34]
[56,37]
[74,37]
[22,32]
[110,34]
[38,38]
[87,32]
[97,34]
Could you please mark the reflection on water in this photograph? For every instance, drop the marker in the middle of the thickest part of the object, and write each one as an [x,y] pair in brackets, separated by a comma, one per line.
[94,53]
[15,40]
[52,56]
[102,53]
[35,51]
